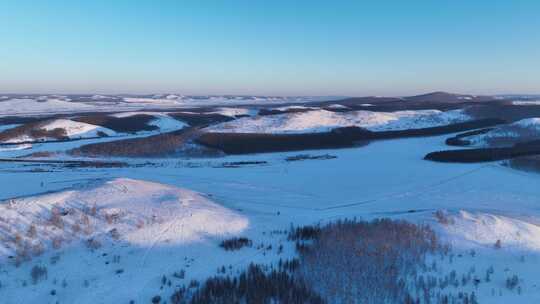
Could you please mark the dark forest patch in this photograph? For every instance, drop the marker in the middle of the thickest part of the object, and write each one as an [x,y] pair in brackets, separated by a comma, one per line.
[166,144]
[129,124]
[485,154]
[243,143]
[266,112]
[301,157]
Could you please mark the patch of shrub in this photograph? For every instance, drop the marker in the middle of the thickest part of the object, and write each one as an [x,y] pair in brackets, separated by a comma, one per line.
[235,243]
[443,218]
[93,244]
[303,233]
[38,273]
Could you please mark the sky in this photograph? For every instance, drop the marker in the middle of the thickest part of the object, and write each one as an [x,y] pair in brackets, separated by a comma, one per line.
[352,48]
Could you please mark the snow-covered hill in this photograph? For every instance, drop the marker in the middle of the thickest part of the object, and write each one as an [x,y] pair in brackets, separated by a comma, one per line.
[121,210]
[507,135]
[54,130]
[162,121]
[465,228]
[322,120]
[75,129]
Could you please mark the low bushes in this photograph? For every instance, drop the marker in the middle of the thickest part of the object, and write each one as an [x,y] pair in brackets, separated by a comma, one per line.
[235,243]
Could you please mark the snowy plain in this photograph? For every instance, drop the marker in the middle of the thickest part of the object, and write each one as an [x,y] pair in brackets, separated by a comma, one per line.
[383,179]
[171,214]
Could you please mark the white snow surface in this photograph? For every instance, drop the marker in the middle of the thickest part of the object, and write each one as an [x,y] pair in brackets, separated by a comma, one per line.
[33,106]
[485,229]
[384,179]
[234,111]
[143,213]
[526,103]
[532,123]
[323,120]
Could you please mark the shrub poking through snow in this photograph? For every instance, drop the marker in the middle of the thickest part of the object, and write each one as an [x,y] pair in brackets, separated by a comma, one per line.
[235,243]
[443,218]
[38,273]
[512,282]
[32,232]
[304,233]
[56,218]
[57,242]
[93,244]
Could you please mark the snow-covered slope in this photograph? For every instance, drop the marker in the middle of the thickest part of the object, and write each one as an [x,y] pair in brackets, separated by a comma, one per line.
[485,229]
[234,111]
[124,210]
[75,129]
[322,120]
[164,122]
[69,128]
[506,135]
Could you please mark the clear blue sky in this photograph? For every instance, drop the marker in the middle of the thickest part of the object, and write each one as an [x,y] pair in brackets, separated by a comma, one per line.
[270,47]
